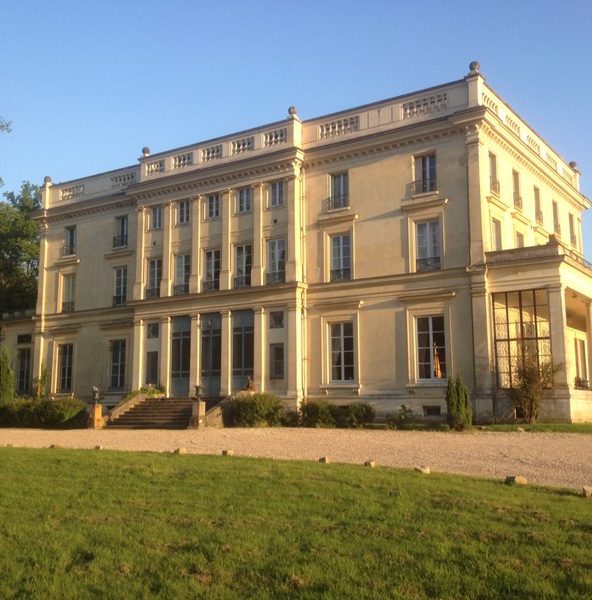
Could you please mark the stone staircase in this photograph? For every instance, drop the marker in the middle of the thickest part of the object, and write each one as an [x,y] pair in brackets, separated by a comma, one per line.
[155,413]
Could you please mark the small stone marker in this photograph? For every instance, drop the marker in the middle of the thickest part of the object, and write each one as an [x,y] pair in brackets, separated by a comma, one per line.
[370,463]
[98,447]
[180,451]
[55,446]
[228,452]
[516,480]
[587,492]
[423,470]
[325,460]
[520,429]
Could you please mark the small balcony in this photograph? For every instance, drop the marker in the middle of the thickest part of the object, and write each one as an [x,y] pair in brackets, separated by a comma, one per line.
[276,277]
[209,285]
[427,264]
[67,307]
[68,250]
[494,186]
[242,281]
[180,289]
[341,274]
[337,202]
[153,292]
[119,300]
[424,186]
[518,201]
[120,241]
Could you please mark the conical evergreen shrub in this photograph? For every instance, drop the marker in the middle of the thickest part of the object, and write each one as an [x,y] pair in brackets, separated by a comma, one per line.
[452,403]
[6,378]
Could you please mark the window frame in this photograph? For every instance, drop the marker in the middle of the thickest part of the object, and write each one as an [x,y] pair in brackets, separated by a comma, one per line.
[276,319]
[153,276]
[246,265]
[120,285]
[338,191]
[68,292]
[276,200]
[275,260]
[182,273]
[276,373]
[244,200]
[425,173]
[156,210]
[349,312]
[338,273]
[64,372]
[213,283]
[433,262]
[430,319]
[212,207]
[183,213]
[117,367]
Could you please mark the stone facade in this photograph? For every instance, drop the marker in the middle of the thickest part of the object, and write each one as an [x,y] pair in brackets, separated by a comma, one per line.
[364,255]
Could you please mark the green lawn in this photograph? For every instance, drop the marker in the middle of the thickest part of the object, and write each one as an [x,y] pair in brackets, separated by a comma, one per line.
[544,427]
[89,524]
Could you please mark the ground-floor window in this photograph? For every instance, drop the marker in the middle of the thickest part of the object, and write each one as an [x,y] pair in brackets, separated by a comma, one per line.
[342,351]
[117,350]
[276,361]
[152,367]
[431,347]
[521,322]
[242,347]
[23,383]
[65,361]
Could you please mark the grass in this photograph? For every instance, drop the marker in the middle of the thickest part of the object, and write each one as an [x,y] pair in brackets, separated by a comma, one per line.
[543,427]
[88,524]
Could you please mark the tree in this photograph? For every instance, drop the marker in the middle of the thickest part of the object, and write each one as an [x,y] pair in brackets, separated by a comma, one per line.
[19,248]
[6,378]
[458,404]
[4,128]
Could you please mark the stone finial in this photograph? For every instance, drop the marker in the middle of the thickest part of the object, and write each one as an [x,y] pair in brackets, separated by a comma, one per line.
[145,151]
[574,165]
[47,180]
[474,68]
[292,111]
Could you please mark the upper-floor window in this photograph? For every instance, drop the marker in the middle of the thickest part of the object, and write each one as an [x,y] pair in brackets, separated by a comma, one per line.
[519,239]
[276,361]
[340,257]
[69,248]
[212,270]
[427,245]
[538,213]
[339,191]
[425,174]
[496,235]
[276,261]
[182,274]
[65,362]
[556,224]
[152,331]
[120,237]
[68,292]
[276,194]
[243,200]
[117,351]
[493,180]
[516,189]
[156,217]
[120,296]
[342,352]
[242,265]
[213,206]
[183,212]
[154,277]
[276,319]
[573,238]
[431,347]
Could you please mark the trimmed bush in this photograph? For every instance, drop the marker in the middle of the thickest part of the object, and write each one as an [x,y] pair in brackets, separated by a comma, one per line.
[256,410]
[458,404]
[357,414]
[318,413]
[31,412]
[6,377]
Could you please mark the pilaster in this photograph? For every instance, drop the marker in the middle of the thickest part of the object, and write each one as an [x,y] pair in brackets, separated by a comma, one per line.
[294,351]
[138,354]
[226,353]
[258,250]
[225,267]
[165,282]
[140,244]
[558,325]
[477,212]
[195,246]
[293,249]
[165,353]
[195,357]
[259,349]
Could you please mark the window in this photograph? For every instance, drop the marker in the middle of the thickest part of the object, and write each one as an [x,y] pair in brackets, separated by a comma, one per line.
[432,411]
[516,187]
[152,367]
[65,360]
[213,206]
[427,245]
[425,174]
[68,292]
[242,267]
[183,212]
[519,239]
[120,296]
[521,326]
[69,247]
[276,261]
[342,352]
[23,376]
[340,257]
[24,338]
[538,213]
[276,361]
[242,347]
[556,224]
[182,274]
[152,330]
[431,348]
[243,200]
[156,217]
[496,235]
[212,270]
[573,238]
[276,319]
[117,351]
[339,191]
[493,180]
[581,364]
[120,238]
[276,194]
[154,277]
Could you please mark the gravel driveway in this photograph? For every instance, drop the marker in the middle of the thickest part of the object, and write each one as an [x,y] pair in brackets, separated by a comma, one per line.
[556,459]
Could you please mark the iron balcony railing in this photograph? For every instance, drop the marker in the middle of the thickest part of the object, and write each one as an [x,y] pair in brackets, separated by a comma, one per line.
[119,300]
[153,292]
[518,201]
[341,274]
[68,250]
[427,264]
[339,201]
[242,281]
[67,307]
[276,277]
[119,241]
[494,186]
[180,289]
[210,285]
[423,186]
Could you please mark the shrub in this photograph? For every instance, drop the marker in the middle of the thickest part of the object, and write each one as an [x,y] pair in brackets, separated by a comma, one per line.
[458,404]
[255,410]
[292,418]
[6,377]
[318,413]
[402,418]
[356,414]
[33,412]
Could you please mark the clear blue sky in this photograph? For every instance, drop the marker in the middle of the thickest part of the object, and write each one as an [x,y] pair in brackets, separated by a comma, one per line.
[88,84]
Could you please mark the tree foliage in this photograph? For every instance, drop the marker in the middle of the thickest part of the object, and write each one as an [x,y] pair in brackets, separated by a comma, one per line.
[6,378]
[19,248]
[4,128]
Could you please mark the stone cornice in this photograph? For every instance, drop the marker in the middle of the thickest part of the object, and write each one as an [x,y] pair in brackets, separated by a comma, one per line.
[82,208]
